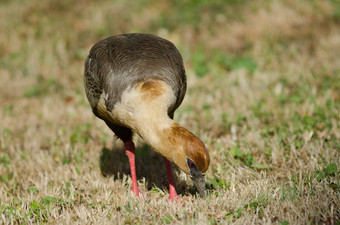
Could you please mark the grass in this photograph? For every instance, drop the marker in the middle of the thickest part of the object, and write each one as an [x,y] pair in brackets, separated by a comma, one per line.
[263,95]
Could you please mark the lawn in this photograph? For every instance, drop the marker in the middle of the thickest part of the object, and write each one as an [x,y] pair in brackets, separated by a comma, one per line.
[263,95]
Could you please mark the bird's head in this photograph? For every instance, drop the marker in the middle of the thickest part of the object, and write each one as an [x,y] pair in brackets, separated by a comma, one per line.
[192,156]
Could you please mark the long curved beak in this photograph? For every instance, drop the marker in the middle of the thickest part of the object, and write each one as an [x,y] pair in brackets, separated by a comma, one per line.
[199,181]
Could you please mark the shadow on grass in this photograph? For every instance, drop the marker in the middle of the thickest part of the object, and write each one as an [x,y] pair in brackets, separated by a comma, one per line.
[149,165]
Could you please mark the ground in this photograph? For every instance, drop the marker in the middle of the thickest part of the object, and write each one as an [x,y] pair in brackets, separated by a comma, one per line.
[263,95]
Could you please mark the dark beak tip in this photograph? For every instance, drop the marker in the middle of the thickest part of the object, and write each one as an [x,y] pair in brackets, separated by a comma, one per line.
[199,182]
[202,194]
[201,189]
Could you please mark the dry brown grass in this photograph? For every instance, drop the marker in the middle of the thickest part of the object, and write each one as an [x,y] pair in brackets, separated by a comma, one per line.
[263,94]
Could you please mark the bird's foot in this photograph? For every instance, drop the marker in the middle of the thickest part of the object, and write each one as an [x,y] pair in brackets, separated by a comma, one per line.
[174,197]
[137,191]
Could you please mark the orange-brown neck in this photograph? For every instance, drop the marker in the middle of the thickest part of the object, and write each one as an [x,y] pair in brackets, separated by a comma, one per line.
[175,143]
[144,109]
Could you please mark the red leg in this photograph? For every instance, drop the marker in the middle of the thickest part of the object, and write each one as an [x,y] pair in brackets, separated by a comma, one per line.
[173,195]
[130,152]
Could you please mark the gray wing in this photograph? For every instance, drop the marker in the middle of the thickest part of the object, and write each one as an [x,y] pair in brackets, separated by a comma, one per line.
[93,88]
[96,69]
[119,61]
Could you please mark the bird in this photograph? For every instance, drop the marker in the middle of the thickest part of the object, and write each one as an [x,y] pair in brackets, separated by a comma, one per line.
[134,82]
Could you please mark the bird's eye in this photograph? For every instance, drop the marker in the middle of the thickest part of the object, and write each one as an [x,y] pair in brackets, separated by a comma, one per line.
[192,165]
